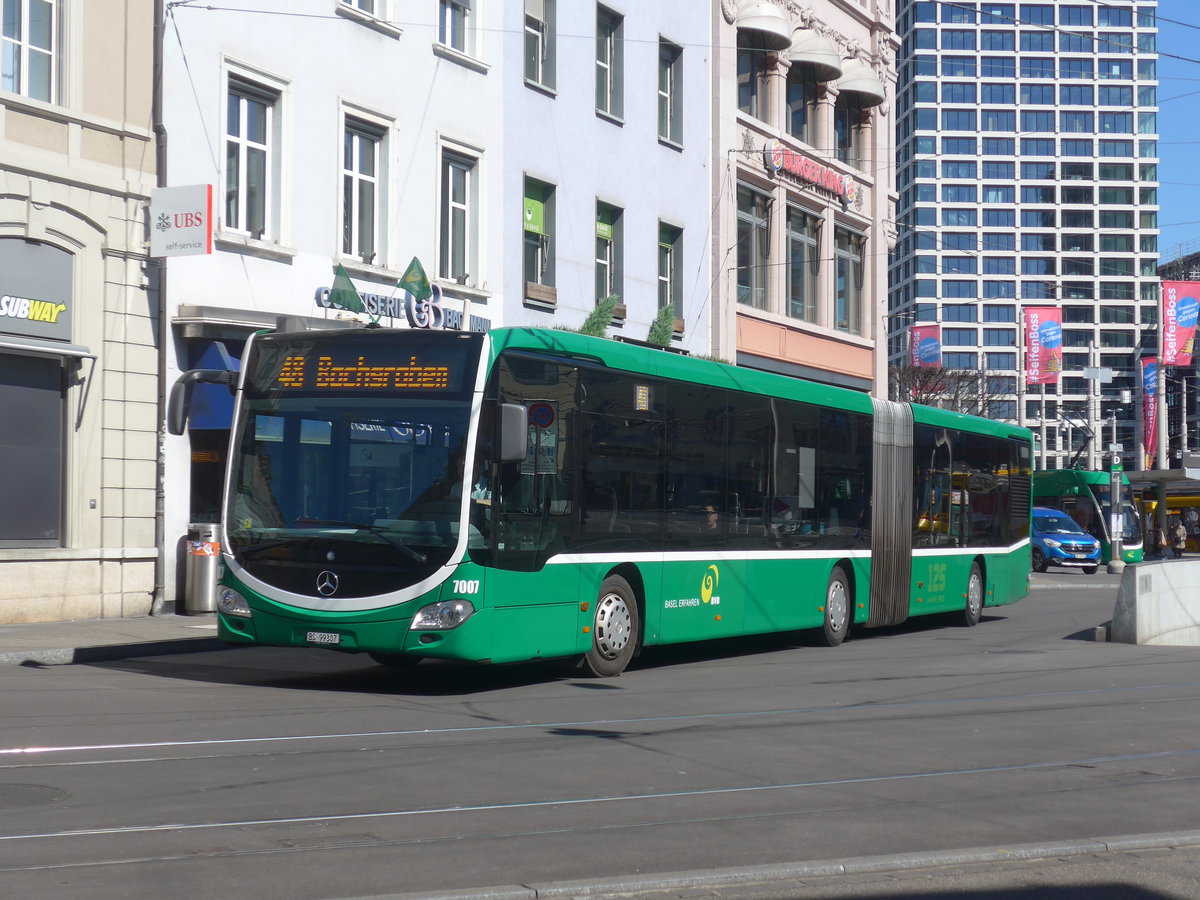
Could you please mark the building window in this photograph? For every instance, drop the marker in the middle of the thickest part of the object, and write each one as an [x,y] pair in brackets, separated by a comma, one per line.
[540,43]
[610,60]
[802,93]
[752,252]
[456,25]
[30,43]
[752,81]
[367,6]
[249,158]
[539,233]
[1076,68]
[361,143]
[670,84]
[848,255]
[803,233]
[458,260]
[670,254]
[849,125]
[1037,120]
[608,251]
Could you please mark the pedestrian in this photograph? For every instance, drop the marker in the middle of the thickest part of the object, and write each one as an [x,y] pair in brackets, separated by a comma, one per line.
[1178,538]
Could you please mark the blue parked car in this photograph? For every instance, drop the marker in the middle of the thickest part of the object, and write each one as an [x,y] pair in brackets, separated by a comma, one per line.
[1059,541]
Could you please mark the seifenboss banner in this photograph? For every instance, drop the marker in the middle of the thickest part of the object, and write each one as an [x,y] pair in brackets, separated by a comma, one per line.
[1179,311]
[1043,344]
[925,346]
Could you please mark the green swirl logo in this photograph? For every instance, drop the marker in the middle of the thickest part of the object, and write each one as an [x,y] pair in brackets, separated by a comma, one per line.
[709,583]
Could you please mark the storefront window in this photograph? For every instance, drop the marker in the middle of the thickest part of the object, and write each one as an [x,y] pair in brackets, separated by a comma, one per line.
[848,253]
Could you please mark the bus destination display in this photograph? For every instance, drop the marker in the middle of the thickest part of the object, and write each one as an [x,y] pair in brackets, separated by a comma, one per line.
[321,373]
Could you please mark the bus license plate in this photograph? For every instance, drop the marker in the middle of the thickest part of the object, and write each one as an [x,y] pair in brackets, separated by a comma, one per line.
[323,637]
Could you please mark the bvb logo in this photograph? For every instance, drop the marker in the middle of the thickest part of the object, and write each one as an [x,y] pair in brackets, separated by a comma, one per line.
[709,583]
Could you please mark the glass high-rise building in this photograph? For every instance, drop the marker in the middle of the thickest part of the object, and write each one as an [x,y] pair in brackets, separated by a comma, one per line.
[1027,176]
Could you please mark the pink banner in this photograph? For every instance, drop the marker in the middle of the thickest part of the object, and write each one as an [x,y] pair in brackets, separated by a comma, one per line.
[1150,408]
[1043,344]
[925,346]
[1180,305]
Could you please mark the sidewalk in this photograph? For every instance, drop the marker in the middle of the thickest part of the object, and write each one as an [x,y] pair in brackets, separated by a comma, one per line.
[96,640]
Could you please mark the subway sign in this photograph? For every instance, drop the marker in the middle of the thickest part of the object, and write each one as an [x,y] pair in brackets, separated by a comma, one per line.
[779,158]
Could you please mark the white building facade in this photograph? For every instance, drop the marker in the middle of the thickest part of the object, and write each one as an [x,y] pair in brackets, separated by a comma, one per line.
[533,155]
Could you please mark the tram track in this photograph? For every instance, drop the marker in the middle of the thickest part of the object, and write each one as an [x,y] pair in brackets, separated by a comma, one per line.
[15,757]
[160,842]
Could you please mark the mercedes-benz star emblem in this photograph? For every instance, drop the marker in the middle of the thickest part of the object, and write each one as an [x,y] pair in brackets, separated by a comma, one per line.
[327,583]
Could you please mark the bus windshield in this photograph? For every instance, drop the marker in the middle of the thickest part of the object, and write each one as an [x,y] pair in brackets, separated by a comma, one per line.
[342,456]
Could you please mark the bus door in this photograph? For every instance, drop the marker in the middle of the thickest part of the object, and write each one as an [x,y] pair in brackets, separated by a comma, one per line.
[530,511]
[936,507]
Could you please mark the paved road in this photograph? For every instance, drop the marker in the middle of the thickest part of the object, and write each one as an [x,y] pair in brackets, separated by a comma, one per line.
[307,774]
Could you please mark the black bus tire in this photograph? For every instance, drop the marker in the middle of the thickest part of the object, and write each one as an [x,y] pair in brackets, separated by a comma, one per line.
[974,608]
[616,629]
[839,606]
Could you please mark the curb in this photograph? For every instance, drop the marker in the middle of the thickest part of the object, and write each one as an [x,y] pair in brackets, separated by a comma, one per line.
[701,879]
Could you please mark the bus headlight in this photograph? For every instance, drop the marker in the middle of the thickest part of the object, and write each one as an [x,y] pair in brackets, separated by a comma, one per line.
[443,616]
[232,603]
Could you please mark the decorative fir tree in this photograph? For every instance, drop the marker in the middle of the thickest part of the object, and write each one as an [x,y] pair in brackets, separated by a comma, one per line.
[662,328]
[598,320]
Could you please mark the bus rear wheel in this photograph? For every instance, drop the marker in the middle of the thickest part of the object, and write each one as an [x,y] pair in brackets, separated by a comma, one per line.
[974,608]
[616,626]
[838,605]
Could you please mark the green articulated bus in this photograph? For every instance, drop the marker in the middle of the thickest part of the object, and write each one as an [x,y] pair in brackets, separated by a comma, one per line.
[528,494]
[1084,494]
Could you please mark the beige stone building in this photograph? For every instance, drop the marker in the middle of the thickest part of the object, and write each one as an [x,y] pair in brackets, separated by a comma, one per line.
[78,320]
[803,182]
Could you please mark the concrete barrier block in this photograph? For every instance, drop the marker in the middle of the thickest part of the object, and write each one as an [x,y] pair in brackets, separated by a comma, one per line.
[1159,603]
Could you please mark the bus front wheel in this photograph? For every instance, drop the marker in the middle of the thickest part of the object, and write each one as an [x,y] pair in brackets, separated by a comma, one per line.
[615,629]
[838,606]
[974,607]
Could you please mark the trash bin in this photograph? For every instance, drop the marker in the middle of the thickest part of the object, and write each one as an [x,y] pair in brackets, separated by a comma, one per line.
[203,569]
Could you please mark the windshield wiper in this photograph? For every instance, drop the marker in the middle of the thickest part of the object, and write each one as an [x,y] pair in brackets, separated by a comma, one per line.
[259,548]
[379,531]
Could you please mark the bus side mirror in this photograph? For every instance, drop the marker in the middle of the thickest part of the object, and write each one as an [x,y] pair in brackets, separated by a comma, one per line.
[514,432]
[181,394]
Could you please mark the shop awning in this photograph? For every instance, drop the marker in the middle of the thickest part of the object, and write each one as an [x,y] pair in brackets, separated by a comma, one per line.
[859,78]
[818,51]
[765,23]
[44,348]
